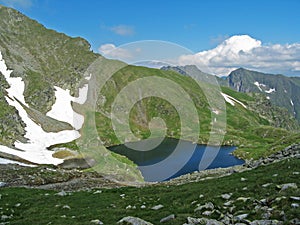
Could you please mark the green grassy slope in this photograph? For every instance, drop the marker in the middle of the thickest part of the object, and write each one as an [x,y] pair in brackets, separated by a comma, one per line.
[31,206]
[246,127]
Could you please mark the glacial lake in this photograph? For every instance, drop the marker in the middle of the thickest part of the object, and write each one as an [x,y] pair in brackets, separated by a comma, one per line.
[173,157]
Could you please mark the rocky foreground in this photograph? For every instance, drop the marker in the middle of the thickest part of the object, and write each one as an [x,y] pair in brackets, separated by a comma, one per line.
[262,192]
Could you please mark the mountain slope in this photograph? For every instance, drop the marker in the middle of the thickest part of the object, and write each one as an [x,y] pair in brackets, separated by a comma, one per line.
[282,91]
[276,113]
[40,74]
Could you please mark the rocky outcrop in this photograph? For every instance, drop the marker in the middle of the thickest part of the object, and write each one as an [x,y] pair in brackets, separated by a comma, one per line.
[292,151]
[45,177]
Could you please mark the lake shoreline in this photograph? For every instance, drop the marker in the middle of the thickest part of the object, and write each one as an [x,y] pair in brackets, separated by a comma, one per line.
[53,178]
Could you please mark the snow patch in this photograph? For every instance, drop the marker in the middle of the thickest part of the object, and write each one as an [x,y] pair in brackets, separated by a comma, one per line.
[232,100]
[271,90]
[35,150]
[268,97]
[62,108]
[258,85]
[8,161]
[292,103]
[16,84]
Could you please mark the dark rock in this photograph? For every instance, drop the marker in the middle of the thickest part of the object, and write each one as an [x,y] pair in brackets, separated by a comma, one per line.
[77,163]
[295,221]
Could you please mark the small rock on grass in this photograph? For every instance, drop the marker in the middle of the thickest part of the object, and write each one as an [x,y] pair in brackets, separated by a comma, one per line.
[192,221]
[295,198]
[96,221]
[168,218]
[66,207]
[226,196]
[266,185]
[61,193]
[241,217]
[208,205]
[287,185]
[133,221]
[266,222]
[157,207]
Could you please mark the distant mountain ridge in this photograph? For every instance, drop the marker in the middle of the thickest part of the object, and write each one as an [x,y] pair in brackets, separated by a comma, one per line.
[281,90]
[193,71]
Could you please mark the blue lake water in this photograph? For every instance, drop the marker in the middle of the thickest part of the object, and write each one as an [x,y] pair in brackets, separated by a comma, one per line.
[173,158]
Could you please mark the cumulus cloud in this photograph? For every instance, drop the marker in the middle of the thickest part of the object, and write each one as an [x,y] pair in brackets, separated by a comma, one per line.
[111,51]
[245,51]
[122,30]
[14,3]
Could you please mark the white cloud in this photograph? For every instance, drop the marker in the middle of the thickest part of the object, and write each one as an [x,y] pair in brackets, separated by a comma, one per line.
[122,30]
[111,51]
[14,3]
[245,51]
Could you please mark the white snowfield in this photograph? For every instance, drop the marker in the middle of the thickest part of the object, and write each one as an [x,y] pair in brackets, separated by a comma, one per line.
[35,149]
[258,85]
[62,108]
[232,100]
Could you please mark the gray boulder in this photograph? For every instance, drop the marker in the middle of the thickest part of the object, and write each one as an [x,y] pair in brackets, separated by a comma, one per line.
[133,221]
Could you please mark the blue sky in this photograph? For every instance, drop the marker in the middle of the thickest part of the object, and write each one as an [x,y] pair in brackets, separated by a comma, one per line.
[195,24]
